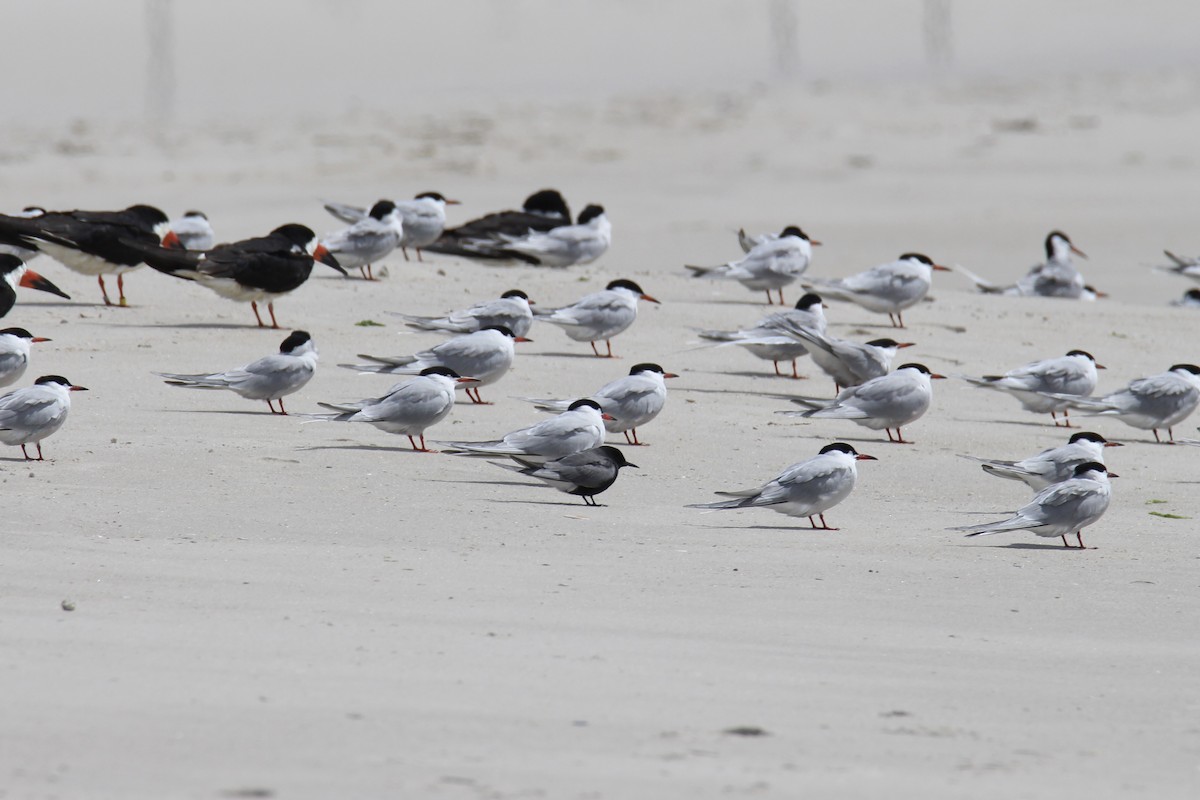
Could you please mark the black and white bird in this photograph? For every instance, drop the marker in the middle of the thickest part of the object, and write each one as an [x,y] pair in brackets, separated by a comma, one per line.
[807,489]
[631,401]
[769,265]
[1052,465]
[1073,374]
[15,344]
[600,315]
[368,240]
[1059,509]
[481,238]
[91,242]
[409,408]
[14,273]
[33,413]
[485,355]
[848,363]
[579,428]
[1189,299]
[769,340]
[885,403]
[252,271]
[584,474]
[888,288]
[270,378]
[1159,401]
[511,310]
[23,253]
[192,231]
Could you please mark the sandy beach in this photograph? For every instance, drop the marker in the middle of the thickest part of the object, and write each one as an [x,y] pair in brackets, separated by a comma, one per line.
[267,608]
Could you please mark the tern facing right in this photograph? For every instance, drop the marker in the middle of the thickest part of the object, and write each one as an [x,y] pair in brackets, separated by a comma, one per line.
[269,378]
[1050,466]
[14,353]
[409,408]
[485,355]
[1159,401]
[769,338]
[887,402]
[807,489]
[511,310]
[1072,374]
[630,402]
[1060,508]
[600,315]
[584,474]
[888,288]
[580,427]
[30,414]
[1190,299]
[771,264]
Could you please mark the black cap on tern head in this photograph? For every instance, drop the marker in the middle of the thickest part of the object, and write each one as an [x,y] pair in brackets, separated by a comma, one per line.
[430,196]
[440,370]
[1091,466]
[1050,241]
[147,215]
[548,202]
[514,293]
[297,234]
[20,333]
[839,447]
[1087,436]
[294,340]
[33,211]
[618,458]
[924,259]
[884,342]
[586,402]
[1192,294]
[194,213]
[794,230]
[808,301]
[381,209]
[1083,353]
[59,379]
[622,283]
[1192,368]
[646,367]
[917,367]
[590,213]
[504,329]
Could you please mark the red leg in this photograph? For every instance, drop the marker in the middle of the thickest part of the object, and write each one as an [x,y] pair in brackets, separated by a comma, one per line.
[25,453]
[405,251]
[635,439]
[1064,538]
[778,374]
[419,256]
[254,306]
[795,373]
[121,290]
[594,350]
[780,295]
[282,410]
[1079,536]
[40,456]
[770,300]
[1156,436]
[271,308]
[271,405]
[103,290]
[1066,417]
[1171,434]
[609,345]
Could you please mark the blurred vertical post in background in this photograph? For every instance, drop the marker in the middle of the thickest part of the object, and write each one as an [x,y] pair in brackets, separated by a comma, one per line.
[785,39]
[160,67]
[939,46]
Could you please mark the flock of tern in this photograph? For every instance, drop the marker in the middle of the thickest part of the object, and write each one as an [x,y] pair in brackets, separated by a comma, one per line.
[567,450]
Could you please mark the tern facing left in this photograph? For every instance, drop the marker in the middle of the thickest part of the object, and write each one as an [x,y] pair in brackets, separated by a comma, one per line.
[1059,509]
[600,315]
[888,288]
[29,415]
[1050,466]
[1072,374]
[807,489]
[887,402]
[14,273]
[630,402]
[771,264]
[270,378]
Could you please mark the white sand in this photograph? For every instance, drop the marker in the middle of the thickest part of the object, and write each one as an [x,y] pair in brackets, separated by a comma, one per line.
[265,608]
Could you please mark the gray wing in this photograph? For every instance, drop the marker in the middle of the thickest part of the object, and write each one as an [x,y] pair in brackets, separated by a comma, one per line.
[346,213]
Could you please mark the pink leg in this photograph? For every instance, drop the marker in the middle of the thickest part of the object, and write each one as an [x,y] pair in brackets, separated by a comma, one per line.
[103,290]
[254,306]
[271,308]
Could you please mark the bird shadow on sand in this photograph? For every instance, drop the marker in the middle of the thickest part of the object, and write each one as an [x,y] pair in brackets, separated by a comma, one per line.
[1027,546]
[489,483]
[571,355]
[548,502]
[220,411]
[222,326]
[791,528]
[369,448]
[747,374]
